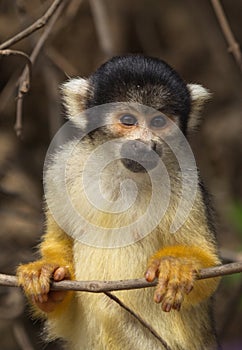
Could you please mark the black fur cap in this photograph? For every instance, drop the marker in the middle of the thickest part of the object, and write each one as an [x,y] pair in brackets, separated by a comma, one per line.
[136,78]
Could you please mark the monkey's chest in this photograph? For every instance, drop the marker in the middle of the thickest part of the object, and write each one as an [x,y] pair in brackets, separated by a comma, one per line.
[103,324]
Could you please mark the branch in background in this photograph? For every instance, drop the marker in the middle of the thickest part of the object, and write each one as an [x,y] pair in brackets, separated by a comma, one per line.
[33,57]
[61,62]
[107,286]
[28,68]
[25,85]
[21,336]
[227,32]
[41,22]
[22,54]
[229,256]
[102,24]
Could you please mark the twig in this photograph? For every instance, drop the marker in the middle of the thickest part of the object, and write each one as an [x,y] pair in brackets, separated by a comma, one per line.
[143,322]
[233,46]
[8,92]
[41,22]
[24,88]
[230,311]
[102,26]
[108,286]
[18,53]
[22,337]
[22,85]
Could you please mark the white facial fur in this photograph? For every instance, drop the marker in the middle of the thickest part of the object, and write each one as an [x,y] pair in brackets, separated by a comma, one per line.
[199,95]
[74,94]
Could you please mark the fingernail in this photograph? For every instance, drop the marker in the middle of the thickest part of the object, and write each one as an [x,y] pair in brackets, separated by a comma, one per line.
[158,298]
[189,289]
[168,308]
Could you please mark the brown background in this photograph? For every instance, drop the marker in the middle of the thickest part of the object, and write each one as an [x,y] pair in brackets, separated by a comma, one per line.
[185,34]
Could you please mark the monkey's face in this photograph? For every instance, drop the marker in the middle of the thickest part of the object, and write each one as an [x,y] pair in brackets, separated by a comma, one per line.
[143,132]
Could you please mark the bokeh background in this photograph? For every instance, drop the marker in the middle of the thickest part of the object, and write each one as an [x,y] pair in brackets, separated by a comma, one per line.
[184,33]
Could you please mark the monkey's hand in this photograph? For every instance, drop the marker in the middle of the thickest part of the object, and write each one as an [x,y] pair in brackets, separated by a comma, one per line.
[176,269]
[35,278]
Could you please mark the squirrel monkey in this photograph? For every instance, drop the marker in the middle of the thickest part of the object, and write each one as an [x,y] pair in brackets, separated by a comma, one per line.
[145,103]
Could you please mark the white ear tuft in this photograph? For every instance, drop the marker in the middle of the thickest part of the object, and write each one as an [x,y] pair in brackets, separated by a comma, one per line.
[199,95]
[75,92]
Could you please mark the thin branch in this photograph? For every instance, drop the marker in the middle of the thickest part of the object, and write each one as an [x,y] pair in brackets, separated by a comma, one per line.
[233,45]
[141,320]
[41,22]
[230,311]
[23,78]
[102,23]
[108,286]
[19,53]
[22,337]
[24,88]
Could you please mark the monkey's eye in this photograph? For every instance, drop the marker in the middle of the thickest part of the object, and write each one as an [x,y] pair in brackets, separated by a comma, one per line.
[158,122]
[128,120]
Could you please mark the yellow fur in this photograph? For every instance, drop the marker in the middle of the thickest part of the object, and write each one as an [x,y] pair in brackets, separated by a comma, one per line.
[92,321]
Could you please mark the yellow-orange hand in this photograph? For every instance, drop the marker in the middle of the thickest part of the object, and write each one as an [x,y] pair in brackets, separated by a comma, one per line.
[175,279]
[35,278]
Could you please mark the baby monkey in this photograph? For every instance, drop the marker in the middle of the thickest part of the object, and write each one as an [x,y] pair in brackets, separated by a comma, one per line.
[131,113]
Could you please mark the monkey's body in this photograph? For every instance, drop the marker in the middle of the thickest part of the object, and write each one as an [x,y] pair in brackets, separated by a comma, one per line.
[94,321]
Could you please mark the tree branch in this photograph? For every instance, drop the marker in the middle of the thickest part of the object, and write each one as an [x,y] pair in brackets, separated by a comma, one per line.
[19,53]
[41,22]
[140,319]
[233,46]
[107,286]
[23,78]
[102,24]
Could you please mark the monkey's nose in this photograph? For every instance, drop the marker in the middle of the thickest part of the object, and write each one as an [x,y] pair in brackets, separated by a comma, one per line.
[140,144]
[139,156]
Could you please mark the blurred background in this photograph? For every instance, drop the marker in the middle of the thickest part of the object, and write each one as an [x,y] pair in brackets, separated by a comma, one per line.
[184,33]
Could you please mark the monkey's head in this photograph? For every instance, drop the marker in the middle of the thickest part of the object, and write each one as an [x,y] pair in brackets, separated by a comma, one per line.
[144,98]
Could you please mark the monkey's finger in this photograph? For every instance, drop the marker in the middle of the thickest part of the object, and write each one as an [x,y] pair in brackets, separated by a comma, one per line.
[46,306]
[46,273]
[168,300]
[188,278]
[159,295]
[57,296]
[162,287]
[179,297]
[61,273]
[152,270]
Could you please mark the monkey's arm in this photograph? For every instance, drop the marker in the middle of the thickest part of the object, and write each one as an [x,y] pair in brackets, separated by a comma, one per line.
[56,263]
[175,267]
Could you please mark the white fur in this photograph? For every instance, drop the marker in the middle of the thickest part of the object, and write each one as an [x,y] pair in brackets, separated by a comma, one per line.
[74,95]
[199,95]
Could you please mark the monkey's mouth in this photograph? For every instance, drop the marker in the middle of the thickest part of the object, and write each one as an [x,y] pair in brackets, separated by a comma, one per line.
[138,157]
[136,167]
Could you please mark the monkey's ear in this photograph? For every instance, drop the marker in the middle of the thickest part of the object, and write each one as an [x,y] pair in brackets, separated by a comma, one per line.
[199,95]
[75,92]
